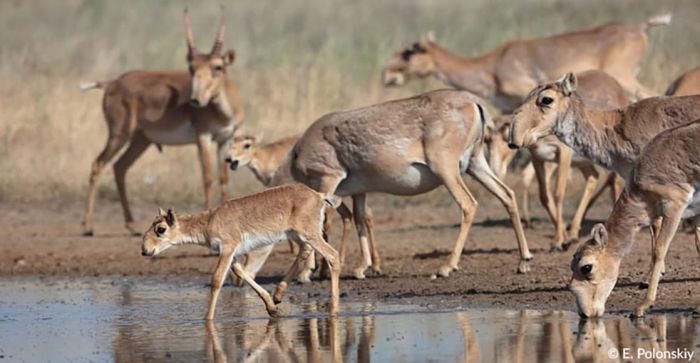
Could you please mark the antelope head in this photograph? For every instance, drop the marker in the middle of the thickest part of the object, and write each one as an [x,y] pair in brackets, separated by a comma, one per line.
[543,108]
[241,151]
[163,233]
[496,141]
[208,70]
[594,273]
[412,62]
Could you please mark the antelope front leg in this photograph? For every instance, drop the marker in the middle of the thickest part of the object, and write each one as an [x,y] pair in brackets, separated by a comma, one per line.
[304,253]
[204,150]
[359,204]
[346,217]
[670,223]
[592,176]
[565,154]
[264,295]
[223,168]
[217,280]
[332,258]
[455,185]
[479,169]
[376,260]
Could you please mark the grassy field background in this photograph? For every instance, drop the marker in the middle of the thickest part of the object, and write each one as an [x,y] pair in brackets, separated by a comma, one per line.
[296,60]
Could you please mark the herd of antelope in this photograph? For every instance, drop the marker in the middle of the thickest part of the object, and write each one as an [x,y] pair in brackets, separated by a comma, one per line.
[571,100]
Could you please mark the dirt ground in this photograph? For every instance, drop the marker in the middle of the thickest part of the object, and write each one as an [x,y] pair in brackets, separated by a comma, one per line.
[414,238]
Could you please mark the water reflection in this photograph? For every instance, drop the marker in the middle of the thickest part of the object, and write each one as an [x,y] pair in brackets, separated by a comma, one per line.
[138,322]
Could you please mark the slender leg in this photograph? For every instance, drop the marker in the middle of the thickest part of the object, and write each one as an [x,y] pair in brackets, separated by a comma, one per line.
[217,280]
[222,148]
[376,260]
[304,252]
[455,185]
[204,150]
[346,216]
[542,172]
[264,295]
[564,161]
[332,258]
[139,144]
[592,176]
[114,144]
[214,343]
[525,181]
[359,205]
[478,168]
[671,220]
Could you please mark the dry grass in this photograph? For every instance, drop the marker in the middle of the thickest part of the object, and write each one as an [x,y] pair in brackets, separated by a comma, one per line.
[296,61]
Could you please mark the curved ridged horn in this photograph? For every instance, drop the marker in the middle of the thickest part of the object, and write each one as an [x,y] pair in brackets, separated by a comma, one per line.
[188,34]
[219,41]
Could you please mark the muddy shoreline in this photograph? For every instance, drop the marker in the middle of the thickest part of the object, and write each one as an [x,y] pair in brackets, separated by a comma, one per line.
[414,239]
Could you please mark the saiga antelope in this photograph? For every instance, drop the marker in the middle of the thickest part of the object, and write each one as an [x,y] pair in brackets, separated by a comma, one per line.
[240,225]
[506,75]
[686,84]
[169,108]
[612,139]
[264,160]
[403,147]
[664,183]
[597,89]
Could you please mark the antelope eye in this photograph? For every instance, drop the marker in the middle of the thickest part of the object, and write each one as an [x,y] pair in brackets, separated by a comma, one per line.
[246,146]
[586,269]
[546,101]
[218,68]
[160,230]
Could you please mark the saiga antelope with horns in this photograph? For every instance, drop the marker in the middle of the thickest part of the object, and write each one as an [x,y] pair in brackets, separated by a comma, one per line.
[663,183]
[404,147]
[506,75]
[254,222]
[200,106]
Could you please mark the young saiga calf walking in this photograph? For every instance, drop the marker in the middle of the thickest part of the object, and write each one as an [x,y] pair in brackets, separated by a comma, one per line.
[290,212]
[665,182]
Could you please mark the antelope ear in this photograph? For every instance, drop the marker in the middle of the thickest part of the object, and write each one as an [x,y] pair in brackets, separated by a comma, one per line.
[568,84]
[170,217]
[429,36]
[161,212]
[229,57]
[599,234]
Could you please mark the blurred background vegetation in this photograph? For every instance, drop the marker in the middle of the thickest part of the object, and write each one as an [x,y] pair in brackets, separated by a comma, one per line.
[296,60]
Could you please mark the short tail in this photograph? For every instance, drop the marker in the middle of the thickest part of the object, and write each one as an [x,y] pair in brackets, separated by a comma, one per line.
[86,86]
[663,19]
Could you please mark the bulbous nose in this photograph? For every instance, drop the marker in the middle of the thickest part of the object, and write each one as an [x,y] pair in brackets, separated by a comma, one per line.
[195,102]
[233,164]
[513,145]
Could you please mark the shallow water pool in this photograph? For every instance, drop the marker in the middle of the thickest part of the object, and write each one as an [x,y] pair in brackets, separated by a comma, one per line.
[147,320]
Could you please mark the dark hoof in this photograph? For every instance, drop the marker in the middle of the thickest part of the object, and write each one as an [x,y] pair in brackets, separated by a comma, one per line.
[88,234]
[571,242]
[643,285]
[557,248]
